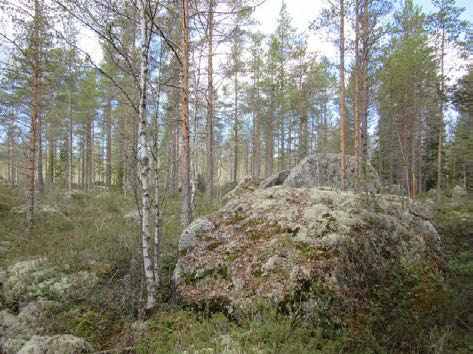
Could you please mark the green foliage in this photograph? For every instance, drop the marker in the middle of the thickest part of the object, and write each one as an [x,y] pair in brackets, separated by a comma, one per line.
[459,155]
[407,99]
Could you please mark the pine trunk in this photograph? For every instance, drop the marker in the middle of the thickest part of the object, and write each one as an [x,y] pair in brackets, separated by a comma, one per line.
[69,144]
[235,131]
[210,162]
[364,103]
[108,181]
[186,212]
[440,140]
[88,174]
[51,153]
[34,118]
[342,94]
[357,98]
[40,150]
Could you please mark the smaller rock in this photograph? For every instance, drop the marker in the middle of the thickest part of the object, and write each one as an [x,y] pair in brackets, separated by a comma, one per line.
[275,180]
[48,209]
[426,228]
[74,195]
[64,343]
[458,191]
[20,209]
[132,217]
[187,242]
[425,209]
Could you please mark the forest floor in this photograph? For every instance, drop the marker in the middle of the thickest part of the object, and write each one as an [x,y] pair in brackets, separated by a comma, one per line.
[91,232]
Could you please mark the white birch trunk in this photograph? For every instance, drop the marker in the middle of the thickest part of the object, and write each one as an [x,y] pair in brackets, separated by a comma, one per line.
[157,239]
[144,157]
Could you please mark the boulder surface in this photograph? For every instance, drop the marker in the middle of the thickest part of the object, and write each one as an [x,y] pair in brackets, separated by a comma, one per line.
[273,243]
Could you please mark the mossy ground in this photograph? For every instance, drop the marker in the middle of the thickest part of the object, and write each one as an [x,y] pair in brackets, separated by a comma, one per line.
[400,316]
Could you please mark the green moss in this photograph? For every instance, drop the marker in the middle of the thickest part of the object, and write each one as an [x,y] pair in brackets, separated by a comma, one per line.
[223,272]
[231,256]
[255,234]
[213,245]
[306,249]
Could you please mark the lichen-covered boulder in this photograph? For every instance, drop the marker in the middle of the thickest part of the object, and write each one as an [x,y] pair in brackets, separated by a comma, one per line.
[15,331]
[458,191]
[33,279]
[323,170]
[59,344]
[74,195]
[132,217]
[245,185]
[42,208]
[273,243]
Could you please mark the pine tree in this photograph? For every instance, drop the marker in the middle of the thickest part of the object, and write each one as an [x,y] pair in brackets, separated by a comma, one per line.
[447,26]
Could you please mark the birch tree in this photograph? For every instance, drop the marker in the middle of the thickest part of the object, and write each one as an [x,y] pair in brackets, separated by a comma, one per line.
[148,266]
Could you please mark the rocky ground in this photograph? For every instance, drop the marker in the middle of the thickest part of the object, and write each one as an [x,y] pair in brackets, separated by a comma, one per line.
[32,289]
[287,265]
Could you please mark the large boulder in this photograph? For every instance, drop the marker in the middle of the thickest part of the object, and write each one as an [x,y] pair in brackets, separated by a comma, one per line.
[274,244]
[323,170]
